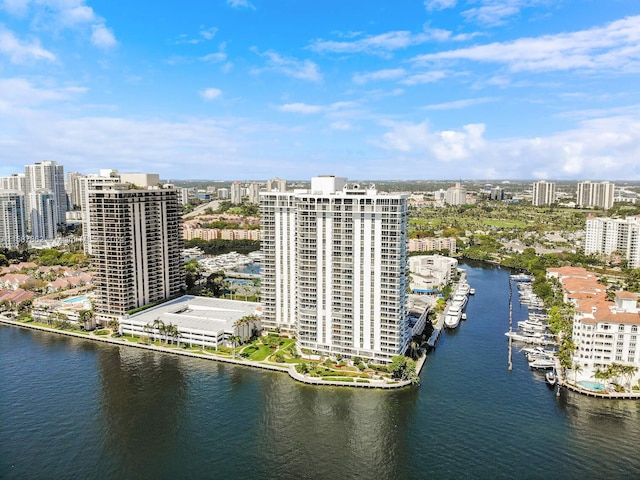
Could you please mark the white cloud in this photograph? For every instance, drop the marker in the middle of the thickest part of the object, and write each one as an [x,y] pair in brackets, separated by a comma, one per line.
[240,4]
[424,77]
[210,93]
[292,67]
[387,74]
[219,56]
[341,126]
[439,4]
[614,47]
[102,37]
[18,93]
[603,148]
[456,104]
[496,12]
[301,108]
[22,52]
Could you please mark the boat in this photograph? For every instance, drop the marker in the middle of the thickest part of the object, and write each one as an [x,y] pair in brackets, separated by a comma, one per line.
[531,326]
[533,339]
[472,291]
[521,277]
[463,288]
[460,299]
[464,316]
[543,364]
[453,316]
[551,377]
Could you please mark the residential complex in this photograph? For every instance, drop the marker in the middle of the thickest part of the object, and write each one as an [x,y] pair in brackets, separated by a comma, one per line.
[544,193]
[607,236]
[433,243]
[335,268]
[592,194]
[136,242]
[604,332]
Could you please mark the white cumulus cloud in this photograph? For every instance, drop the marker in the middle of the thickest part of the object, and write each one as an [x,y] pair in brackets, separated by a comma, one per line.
[210,93]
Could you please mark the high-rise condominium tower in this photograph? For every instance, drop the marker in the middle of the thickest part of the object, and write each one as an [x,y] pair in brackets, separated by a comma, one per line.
[592,194]
[544,193]
[13,228]
[335,268]
[136,244]
[49,176]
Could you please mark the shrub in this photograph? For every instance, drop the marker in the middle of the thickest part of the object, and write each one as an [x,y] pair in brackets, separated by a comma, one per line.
[357,360]
[361,366]
[328,363]
[278,357]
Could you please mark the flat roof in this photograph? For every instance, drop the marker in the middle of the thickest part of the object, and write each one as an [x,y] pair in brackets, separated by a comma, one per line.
[198,313]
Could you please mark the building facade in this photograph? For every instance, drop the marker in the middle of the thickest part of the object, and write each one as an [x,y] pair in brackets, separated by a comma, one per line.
[236,192]
[13,226]
[544,193]
[276,184]
[591,194]
[136,244]
[606,236]
[456,195]
[335,268]
[42,214]
[47,175]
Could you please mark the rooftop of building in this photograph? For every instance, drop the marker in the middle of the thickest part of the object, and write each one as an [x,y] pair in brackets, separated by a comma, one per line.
[199,313]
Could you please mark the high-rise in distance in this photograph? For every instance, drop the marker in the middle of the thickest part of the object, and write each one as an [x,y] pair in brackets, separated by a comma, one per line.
[335,268]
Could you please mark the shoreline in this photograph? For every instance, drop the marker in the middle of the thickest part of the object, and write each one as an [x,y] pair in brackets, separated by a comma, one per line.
[316,381]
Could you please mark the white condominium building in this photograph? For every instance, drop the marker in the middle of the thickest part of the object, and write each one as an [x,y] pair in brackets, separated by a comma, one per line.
[13,182]
[276,184]
[456,195]
[605,236]
[335,268]
[544,193]
[595,194]
[13,227]
[254,193]
[136,244]
[42,215]
[49,176]
[83,184]
[236,193]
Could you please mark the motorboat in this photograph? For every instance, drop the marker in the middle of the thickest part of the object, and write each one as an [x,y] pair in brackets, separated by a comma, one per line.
[533,339]
[531,326]
[551,377]
[472,291]
[464,316]
[543,364]
[453,315]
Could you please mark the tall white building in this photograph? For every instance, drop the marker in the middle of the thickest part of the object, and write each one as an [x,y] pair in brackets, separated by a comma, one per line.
[236,192]
[335,268]
[47,175]
[605,236]
[42,215]
[591,194]
[136,244]
[544,193]
[456,195]
[13,226]
[254,193]
[13,182]
[276,184]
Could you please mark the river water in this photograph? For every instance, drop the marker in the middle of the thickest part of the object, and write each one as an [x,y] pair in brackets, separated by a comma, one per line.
[77,409]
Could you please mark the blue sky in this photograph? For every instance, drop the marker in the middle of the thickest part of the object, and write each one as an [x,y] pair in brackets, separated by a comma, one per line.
[252,89]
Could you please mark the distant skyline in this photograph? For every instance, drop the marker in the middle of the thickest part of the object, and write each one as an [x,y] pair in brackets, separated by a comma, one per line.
[365,89]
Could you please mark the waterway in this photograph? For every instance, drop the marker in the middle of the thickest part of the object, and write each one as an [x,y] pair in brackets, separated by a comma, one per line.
[76,409]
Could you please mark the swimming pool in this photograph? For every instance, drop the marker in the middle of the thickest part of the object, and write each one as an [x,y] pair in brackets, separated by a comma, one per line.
[595,386]
[78,299]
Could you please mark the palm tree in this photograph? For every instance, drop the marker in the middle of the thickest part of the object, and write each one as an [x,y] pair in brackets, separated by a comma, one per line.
[148,328]
[576,369]
[84,317]
[159,326]
[235,340]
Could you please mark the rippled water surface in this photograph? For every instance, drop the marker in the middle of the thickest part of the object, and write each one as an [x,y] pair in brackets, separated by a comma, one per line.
[75,409]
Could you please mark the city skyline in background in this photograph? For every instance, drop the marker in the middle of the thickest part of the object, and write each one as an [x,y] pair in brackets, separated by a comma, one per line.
[439,89]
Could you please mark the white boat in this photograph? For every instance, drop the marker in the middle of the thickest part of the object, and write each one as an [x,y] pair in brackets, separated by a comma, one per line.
[463,288]
[453,316]
[464,316]
[551,377]
[460,299]
[521,277]
[472,291]
[543,364]
[533,339]
[529,326]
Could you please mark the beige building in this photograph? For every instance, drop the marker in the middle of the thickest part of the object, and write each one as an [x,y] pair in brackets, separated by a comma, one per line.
[136,240]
